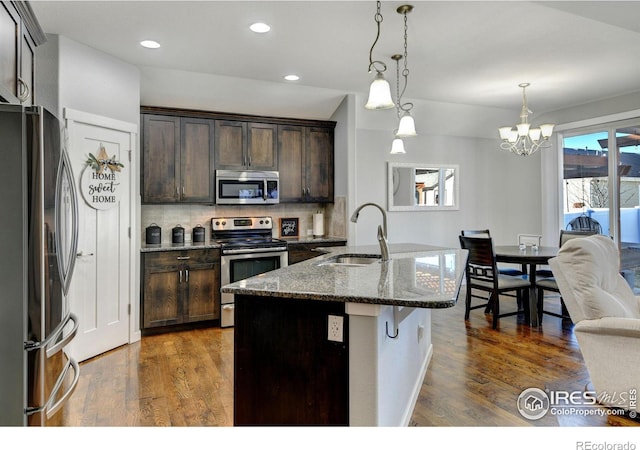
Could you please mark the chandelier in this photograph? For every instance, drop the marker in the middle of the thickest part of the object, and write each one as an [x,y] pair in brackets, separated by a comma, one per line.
[379,91]
[524,140]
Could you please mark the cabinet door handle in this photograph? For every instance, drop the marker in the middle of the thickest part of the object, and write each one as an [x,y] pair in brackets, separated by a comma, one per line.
[183,258]
[186,271]
[23,90]
[180,277]
[249,160]
[177,192]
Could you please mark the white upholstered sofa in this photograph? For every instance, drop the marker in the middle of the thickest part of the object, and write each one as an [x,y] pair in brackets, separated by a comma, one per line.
[606,315]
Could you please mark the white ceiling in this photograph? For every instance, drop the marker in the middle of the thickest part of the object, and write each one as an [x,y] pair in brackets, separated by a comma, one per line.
[471,52]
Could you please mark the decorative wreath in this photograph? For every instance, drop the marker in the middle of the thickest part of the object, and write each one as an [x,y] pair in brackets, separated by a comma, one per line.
[103,162]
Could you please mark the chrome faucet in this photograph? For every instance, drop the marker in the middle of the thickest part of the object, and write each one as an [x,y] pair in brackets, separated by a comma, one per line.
[382,230]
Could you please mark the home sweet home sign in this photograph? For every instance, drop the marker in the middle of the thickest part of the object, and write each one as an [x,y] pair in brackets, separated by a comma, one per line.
[101,181]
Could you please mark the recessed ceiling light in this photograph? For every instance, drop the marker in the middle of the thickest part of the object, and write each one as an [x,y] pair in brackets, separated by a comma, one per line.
[259,27]
[291,77]
[149,44]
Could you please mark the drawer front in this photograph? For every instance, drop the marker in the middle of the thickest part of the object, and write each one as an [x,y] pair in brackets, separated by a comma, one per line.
[177,258]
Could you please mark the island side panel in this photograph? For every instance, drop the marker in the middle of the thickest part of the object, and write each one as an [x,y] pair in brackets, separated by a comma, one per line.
[286,371]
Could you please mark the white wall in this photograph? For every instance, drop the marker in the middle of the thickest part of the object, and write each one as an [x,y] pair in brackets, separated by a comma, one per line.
[73,75]
[191,90]
[498,190]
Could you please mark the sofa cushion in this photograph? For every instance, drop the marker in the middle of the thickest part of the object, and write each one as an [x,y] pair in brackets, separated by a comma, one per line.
[590,269]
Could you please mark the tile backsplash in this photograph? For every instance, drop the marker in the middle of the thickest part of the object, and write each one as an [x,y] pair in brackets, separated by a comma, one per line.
[188,216]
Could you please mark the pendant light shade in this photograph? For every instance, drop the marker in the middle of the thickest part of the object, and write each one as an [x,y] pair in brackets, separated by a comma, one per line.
[379,94]
[397,146]
[407,126]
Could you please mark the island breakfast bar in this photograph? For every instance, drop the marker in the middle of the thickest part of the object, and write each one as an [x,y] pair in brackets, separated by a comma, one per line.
[340,339]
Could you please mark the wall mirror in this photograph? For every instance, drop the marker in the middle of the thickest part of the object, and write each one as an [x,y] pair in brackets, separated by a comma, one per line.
[422,187]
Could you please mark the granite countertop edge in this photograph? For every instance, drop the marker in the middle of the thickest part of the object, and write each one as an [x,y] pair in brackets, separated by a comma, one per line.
[411,303]
[168,247]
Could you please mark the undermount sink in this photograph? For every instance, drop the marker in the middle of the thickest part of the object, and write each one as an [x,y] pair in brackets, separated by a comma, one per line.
[351,260]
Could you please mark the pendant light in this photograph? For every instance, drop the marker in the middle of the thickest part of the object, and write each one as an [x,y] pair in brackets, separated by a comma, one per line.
[406,127]
[397,146]
[379,91]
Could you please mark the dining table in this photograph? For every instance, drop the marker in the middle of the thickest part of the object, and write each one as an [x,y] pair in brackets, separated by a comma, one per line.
[529,257]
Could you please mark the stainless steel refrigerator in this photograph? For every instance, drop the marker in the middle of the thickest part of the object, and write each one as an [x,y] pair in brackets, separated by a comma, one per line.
[38,244]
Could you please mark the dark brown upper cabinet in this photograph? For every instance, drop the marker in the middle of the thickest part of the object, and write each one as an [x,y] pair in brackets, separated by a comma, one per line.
[182,149]
[246,145]
[20,33]
[306,164]
[178,160]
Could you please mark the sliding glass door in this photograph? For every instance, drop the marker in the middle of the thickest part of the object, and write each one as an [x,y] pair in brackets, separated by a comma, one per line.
[601,181]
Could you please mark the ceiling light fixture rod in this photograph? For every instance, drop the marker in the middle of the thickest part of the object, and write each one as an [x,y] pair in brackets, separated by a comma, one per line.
[372,64]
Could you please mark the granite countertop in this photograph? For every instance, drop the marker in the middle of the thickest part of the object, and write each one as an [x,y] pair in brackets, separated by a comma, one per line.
[417,275]
[168,246]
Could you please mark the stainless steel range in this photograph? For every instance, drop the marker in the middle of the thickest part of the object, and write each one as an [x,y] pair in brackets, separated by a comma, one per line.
[248,248]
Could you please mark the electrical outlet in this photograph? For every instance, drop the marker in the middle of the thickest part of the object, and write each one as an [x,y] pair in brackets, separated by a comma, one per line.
[335,328]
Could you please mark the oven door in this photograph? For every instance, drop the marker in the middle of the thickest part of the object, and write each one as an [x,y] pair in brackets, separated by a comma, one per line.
[236,267]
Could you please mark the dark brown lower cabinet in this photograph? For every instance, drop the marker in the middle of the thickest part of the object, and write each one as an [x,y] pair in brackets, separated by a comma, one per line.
[301,251]
[180,287]
[286,371]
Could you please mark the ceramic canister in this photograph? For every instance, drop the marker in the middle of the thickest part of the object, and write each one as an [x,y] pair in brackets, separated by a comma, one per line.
[154,234]
[177,234]
[197,234]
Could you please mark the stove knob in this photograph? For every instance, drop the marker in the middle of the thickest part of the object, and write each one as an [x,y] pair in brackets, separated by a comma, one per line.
[267,221]
[224,223]
[217,222]
[261,222]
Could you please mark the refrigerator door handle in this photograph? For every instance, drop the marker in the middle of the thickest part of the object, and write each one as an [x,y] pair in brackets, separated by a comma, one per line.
[31,345]
[66,254]
[52,409]
[65,340]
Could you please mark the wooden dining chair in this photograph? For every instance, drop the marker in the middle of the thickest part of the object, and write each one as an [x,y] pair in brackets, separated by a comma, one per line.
[482,273]
[476,233]
[485,233]
[548,281]
[529,239]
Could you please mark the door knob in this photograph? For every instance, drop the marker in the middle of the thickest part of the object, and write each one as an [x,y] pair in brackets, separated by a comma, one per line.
[80,254]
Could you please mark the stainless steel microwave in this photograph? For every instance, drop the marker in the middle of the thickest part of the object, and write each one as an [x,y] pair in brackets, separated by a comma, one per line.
[249,187]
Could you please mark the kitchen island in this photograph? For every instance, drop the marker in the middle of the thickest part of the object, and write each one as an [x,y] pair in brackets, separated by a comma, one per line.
[333,341]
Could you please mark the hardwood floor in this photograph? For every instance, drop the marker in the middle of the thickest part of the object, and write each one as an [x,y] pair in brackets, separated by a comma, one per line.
[474,379]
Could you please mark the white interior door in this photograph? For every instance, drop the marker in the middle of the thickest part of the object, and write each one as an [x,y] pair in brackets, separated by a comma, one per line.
[100,290]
